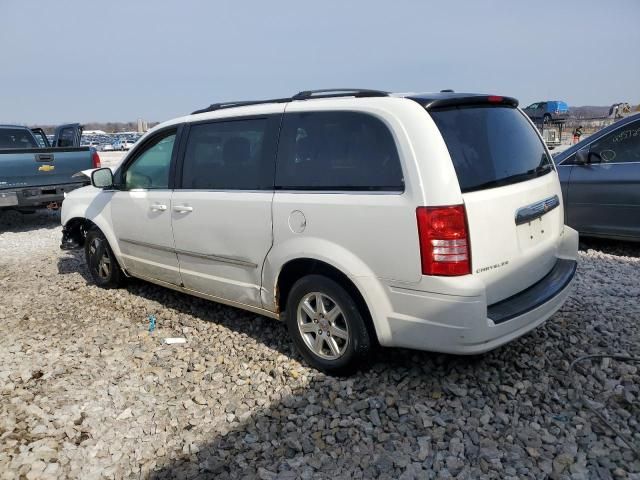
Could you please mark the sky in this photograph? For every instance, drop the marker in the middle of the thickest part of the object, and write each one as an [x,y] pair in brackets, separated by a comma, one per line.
[119,60]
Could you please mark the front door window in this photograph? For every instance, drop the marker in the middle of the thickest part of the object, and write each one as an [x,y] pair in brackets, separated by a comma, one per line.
[150,170]
[621,146]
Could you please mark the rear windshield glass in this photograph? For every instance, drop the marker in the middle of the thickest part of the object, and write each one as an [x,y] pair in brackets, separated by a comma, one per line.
[16,138]
[491,146]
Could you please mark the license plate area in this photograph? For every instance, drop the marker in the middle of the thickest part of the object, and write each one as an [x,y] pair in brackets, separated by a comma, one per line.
[8,199]
[534,232]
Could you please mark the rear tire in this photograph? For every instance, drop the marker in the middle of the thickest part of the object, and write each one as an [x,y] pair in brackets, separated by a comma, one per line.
[326,325]
[103,266]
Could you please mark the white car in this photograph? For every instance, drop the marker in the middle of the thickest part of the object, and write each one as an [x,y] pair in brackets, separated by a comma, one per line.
[122,144]
[431,221]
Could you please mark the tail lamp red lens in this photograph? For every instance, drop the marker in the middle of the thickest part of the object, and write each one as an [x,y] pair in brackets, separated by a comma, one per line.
[445,248]
[95,159]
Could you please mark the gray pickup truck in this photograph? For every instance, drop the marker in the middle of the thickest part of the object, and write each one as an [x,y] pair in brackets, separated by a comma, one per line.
[35,174]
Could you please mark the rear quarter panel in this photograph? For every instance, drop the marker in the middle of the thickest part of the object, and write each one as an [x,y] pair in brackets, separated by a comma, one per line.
[376,228]
[368,235]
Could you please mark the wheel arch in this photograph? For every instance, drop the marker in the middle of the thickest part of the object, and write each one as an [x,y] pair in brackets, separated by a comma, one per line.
[298,268]
[75,230]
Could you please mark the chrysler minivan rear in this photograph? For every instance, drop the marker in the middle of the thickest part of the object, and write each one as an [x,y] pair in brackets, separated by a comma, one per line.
[508,257]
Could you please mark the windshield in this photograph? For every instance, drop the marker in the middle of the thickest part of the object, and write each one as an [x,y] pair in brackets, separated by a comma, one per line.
[16,138]
[491,146]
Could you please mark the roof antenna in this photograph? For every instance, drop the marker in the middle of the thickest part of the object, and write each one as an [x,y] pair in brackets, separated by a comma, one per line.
[447,90]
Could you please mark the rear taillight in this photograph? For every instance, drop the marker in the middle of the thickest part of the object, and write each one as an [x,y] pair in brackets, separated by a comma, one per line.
[95,159]
[444,240]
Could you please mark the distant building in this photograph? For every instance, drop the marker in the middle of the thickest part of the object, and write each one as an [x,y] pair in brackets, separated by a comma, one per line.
[94,132]
[142,126]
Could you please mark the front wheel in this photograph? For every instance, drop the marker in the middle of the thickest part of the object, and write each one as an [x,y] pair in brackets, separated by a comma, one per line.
[102,263]
[326,325]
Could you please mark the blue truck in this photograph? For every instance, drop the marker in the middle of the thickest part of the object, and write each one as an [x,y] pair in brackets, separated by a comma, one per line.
[548,111]
[35,173]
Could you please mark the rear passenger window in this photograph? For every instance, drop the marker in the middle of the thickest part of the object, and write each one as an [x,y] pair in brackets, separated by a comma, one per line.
[227,155]
[337,151]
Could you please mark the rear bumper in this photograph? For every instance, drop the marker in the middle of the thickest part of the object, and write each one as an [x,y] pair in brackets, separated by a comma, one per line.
[36,197]
[467,325]
[536,295]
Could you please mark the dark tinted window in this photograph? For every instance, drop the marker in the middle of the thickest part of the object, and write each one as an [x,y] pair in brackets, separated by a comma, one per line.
[16,138]
[228,155]
[337,151]
[40,138]
[67,137]
[491,146]
[620,146]
[150,169]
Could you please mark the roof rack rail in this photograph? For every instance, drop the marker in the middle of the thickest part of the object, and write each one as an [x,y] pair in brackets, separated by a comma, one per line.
[304,95]
[241,103]
[339,92]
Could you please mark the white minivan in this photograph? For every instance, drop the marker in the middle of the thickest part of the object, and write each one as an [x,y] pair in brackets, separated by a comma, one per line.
[358,217]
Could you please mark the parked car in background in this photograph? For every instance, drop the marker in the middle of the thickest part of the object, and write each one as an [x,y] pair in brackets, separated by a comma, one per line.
[547,112]
[122,144]
[355,216]
[34,176]
[600,179]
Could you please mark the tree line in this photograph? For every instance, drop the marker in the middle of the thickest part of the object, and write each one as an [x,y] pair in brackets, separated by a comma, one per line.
[108,127]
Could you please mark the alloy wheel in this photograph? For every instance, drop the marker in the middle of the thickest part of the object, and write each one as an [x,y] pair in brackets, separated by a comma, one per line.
[101,260]
[323,325]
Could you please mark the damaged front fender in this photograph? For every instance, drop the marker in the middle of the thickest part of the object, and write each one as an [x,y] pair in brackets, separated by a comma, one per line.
[74,233]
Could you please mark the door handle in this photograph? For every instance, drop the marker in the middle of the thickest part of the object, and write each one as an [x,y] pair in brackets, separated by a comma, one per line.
[182,209]
[157,207]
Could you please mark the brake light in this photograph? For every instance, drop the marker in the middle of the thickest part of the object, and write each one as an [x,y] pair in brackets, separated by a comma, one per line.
[495,99]
[95,159]
[444,240]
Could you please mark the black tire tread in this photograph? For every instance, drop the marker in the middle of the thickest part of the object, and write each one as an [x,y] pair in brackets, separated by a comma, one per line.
[117,275]
[360,341]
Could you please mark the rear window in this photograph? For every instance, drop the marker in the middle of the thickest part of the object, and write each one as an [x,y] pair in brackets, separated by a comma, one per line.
[16,138]
[491,146]
[67,137]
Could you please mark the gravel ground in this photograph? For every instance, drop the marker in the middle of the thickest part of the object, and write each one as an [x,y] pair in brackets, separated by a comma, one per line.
[87,392]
